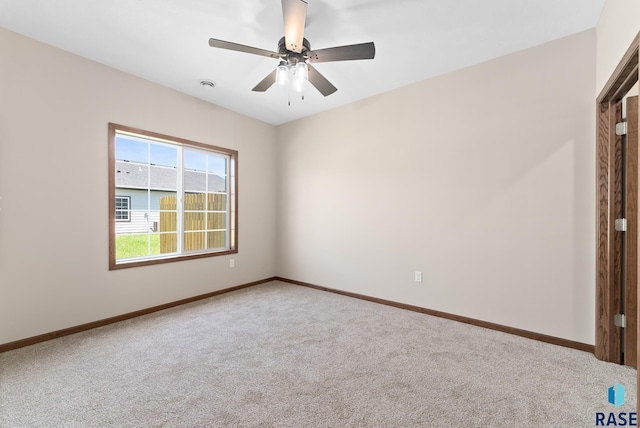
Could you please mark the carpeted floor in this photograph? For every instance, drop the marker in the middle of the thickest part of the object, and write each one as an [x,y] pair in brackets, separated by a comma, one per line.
[280,355]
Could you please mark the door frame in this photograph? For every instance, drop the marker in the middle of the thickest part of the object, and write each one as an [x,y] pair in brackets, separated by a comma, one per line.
[609,204]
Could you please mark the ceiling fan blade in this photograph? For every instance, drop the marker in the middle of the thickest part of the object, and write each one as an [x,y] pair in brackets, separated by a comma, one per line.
[294,13]
[344,53]
[266,82]
[215,43]
[320,82]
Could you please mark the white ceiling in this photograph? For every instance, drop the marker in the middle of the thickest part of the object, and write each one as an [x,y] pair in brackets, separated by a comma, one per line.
[166,41]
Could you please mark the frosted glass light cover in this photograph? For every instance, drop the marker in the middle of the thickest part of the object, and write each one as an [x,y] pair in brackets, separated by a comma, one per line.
[282,75]
[301,76]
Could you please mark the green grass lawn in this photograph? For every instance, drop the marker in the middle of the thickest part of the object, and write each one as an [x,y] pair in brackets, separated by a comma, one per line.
[128,246]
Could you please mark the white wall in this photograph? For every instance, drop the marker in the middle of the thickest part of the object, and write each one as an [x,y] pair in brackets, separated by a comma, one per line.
[54,111]
[618,25]
[482,178]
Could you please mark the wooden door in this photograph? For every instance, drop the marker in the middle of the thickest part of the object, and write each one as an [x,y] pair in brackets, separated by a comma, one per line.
[618,260]
[609,242]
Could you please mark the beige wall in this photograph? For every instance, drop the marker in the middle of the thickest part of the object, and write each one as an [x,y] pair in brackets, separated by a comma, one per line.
[482,178]
[54,110]
[618,25]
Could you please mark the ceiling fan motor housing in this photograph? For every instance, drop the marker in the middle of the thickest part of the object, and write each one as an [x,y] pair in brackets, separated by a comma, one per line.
[293,57]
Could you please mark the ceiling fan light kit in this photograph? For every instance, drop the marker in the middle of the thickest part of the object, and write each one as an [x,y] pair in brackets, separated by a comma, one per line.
[296,56]
[296,75]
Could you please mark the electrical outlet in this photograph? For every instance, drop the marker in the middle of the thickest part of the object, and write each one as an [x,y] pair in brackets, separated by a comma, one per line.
[418,276]
[232,263]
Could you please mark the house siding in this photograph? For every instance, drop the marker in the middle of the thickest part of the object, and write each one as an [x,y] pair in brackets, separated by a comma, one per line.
[142,216]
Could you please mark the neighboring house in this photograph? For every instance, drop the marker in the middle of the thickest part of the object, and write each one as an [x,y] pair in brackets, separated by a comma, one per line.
[140,186]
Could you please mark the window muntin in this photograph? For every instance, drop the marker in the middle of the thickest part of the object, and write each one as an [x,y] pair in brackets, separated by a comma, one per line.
[182,198]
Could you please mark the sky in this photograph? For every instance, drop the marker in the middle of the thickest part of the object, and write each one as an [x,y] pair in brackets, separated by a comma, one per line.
[137,150]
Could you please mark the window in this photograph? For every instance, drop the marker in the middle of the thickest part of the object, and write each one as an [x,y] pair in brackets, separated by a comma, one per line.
[123,204]
[169,199]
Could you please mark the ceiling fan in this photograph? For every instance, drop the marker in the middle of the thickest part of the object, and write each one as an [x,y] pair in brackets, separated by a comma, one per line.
[295,54]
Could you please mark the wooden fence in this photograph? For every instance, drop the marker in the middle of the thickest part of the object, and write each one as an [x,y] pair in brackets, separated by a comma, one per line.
[204,216]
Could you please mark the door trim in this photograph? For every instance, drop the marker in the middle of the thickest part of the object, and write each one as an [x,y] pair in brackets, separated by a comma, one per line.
[631,247]
[608,170]
[624,76]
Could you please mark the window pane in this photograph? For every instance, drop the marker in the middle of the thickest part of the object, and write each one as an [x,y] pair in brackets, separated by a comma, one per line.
[194,241]
[162,171]
[217,177]
[216,221]
[217,165]
[153,221]
[161,201]
[195,161]
[217,202]
[168,216]
[195,181]
[168,243]
[131,175]
[132,158]
[132,150]
[132,245]
[216,183]
[217,239]
[154,247]
[195,201]
[163,178]
[163,155]
[194,220]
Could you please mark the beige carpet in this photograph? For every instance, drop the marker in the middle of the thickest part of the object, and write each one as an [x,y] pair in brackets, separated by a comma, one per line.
[280,355]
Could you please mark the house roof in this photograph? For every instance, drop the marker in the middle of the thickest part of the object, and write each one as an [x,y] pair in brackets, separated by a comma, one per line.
[133,175]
